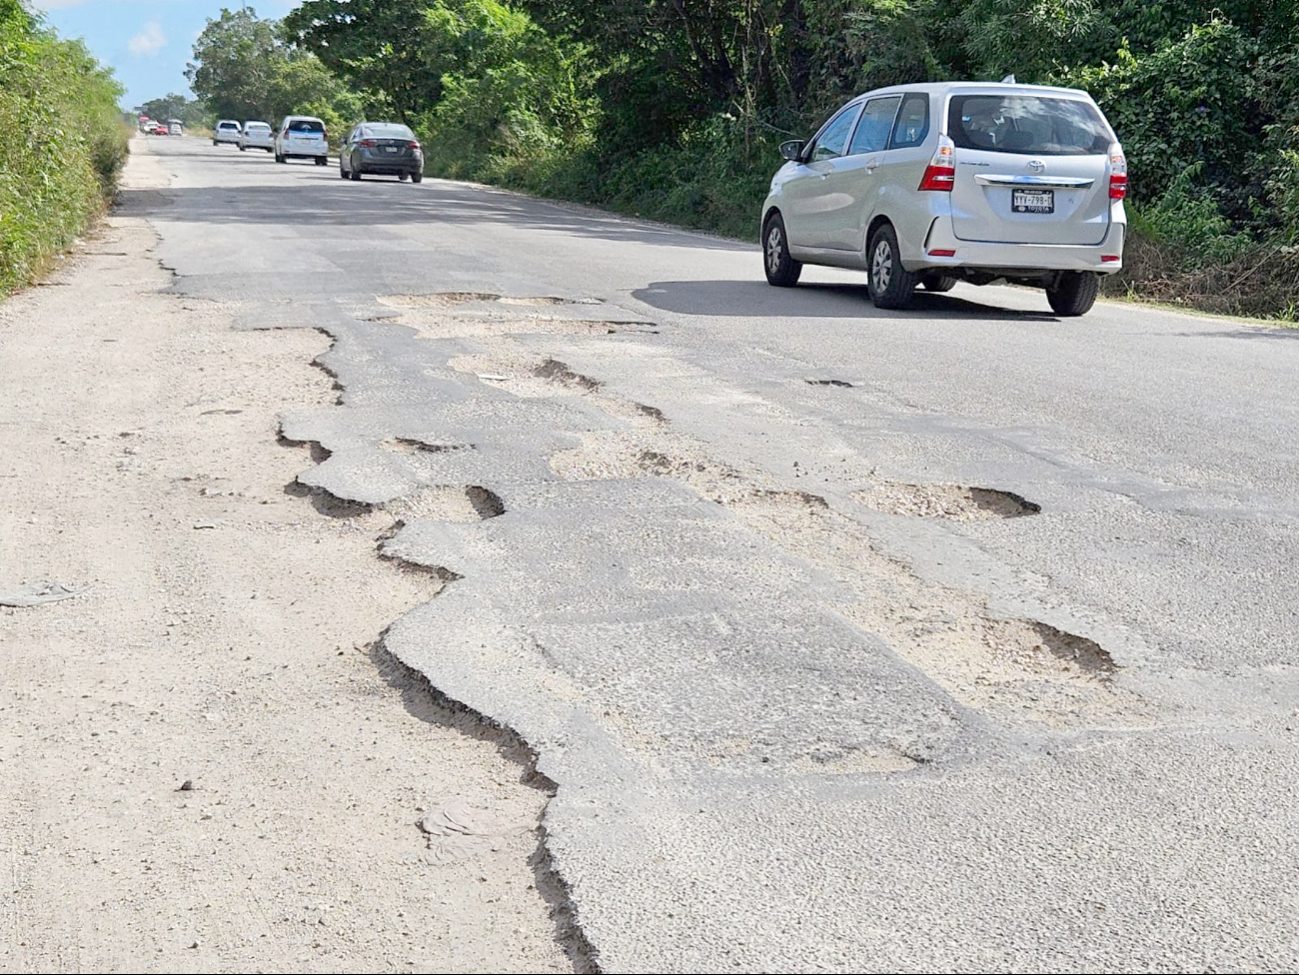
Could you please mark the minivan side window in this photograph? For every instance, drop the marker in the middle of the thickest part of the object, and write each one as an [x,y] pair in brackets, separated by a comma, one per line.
[834,137]
[872,133]
[912,127]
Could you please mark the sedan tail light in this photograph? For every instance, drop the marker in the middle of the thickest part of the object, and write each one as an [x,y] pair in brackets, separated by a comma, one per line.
[368,143]
[1118,173]
[940,174]
[412,145]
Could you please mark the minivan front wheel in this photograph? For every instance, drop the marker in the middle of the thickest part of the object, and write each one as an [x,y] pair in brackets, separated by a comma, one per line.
[891,285]
[1074,292]
[782,270]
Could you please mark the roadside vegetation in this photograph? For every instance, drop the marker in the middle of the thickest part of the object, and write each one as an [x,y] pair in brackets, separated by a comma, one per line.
[672,109]
[66,142]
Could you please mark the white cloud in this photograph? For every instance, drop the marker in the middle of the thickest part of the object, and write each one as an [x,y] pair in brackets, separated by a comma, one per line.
[149,41]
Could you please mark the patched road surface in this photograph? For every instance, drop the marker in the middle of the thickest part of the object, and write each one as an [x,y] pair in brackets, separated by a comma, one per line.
[958,639]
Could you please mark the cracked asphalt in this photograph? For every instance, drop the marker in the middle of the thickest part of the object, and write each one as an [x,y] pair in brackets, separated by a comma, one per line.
[811,704]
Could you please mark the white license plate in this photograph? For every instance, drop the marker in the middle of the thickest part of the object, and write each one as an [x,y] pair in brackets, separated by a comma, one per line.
[1033,201]
[389,148]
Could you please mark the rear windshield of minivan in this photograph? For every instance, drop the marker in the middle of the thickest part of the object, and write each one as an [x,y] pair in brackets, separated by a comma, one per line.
[306,125]
[1028,124]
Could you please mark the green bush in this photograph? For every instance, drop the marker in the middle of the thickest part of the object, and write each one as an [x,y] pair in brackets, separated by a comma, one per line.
[67,142]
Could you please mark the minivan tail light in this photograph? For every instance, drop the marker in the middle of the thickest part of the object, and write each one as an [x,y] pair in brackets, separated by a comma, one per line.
[940,174]
[1118,173]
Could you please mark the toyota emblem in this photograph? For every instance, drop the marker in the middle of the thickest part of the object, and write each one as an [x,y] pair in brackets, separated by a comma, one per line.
[1037,165]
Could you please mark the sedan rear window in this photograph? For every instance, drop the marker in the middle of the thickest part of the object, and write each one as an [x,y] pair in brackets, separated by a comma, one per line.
[228,125]
[306,125]
[1028,124]
[389,131]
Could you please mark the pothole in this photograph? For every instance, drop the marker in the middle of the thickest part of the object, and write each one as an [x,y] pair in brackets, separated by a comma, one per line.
[486,502]
[444,299]
[840,383]
[556,371]
[441,503]
[542,301]
[408,445]
[952,501]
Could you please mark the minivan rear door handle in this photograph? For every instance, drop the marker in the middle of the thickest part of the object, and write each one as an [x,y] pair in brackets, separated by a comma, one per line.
[1069,182]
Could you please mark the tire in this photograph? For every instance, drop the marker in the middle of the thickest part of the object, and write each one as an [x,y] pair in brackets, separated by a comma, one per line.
[403,176]
[417,177]
[322,160]
[938,283]
[242,147]
[355,174]
[342,173]
[214,142]
[891,285]
[782,270]
[1074,293]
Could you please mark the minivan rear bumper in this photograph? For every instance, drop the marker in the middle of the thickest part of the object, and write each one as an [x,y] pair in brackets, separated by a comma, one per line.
[1103,258]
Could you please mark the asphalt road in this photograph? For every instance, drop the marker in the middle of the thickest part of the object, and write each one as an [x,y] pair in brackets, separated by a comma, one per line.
[958,639]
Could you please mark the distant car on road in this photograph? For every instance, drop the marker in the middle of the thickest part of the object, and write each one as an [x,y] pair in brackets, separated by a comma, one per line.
[937,183]
[257,135]
[158,128]
[227,130]
[302,137]
[175,127]
[382,149]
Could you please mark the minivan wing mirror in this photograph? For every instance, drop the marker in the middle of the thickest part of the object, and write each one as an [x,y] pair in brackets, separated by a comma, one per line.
[793,149]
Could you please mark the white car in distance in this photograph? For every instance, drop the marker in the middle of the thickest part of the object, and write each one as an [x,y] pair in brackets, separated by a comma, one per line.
[257,135]
[302,137]
[227,130]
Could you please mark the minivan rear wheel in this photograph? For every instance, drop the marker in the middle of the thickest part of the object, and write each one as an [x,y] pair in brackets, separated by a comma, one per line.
[891,285]
[782,270]
[1074,292]
[938,282]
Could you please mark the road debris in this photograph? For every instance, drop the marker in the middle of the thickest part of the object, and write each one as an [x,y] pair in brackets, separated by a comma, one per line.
[40,593]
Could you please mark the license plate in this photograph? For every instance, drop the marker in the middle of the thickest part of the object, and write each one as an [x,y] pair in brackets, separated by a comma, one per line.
[1033,201]
[389,148]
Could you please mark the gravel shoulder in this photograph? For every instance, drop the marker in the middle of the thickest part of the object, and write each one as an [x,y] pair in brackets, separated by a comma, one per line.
[207,762]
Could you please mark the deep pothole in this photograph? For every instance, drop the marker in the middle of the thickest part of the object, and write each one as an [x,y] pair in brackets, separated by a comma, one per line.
[952,501]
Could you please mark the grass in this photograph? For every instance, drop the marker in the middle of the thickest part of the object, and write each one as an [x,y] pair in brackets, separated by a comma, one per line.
[68,144]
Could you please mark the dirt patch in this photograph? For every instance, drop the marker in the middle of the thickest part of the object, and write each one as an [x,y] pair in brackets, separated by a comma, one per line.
[952,501]
[238,659]
[838,383]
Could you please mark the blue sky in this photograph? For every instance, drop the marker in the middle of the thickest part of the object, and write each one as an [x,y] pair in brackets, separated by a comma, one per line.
[146,42]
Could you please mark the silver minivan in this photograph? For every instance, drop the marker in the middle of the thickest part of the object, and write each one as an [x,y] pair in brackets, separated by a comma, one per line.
[927,185]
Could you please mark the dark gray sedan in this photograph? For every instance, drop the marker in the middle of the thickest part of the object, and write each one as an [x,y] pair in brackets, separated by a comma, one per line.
[381,149]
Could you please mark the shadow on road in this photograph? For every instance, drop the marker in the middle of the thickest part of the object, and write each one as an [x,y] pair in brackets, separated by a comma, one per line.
[757,299]
[316,196]
[1260,331]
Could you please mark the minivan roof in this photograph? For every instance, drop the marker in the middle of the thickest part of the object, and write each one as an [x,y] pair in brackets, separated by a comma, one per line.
[977,88]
